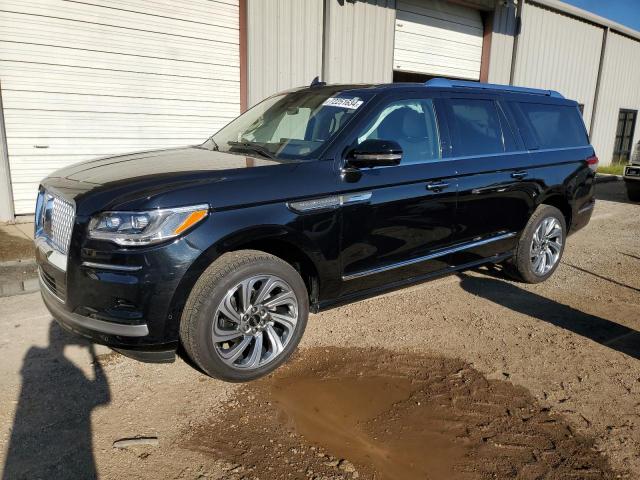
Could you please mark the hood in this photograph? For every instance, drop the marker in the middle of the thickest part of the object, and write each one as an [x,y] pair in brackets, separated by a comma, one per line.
[157,179]
[175,161]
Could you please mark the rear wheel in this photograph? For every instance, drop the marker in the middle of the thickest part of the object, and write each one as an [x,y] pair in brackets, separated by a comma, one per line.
[541,245]
[633,190]
[245,316]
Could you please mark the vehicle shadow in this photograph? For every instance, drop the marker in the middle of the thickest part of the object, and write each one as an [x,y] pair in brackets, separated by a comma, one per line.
[605,332]
[51,436]
[613,192]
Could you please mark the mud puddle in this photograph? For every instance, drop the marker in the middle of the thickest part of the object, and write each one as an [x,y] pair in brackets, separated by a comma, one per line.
[348,416]
[370,413]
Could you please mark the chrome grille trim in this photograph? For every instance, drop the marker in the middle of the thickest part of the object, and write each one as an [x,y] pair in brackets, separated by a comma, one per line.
[62,218]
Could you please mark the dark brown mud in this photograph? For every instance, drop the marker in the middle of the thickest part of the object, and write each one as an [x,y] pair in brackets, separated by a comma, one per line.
[371,413]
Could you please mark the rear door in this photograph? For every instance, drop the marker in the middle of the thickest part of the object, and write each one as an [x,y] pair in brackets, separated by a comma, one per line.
[496,189]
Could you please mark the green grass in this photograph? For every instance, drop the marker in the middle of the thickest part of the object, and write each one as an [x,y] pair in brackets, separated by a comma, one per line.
[613,169]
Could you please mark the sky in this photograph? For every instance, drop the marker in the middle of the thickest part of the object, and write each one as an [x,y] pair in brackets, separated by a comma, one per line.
[626,12]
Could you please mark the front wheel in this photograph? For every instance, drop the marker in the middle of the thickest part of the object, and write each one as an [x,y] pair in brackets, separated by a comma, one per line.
[541,245]
[245,316]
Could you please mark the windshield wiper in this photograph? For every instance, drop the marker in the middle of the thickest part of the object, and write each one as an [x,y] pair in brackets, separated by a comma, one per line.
[215,145]
[252,147]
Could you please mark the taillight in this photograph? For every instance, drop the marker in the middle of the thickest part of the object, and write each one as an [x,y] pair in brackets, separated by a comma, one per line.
[593,162]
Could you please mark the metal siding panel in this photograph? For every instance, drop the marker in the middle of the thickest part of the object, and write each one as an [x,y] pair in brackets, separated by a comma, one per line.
[559,52]
[108,77]
[284,45]
[438,38]
[619,88]
[359,41]
[504,27]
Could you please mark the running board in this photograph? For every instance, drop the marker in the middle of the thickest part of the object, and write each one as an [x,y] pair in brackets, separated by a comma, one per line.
[372,292]
[437,254]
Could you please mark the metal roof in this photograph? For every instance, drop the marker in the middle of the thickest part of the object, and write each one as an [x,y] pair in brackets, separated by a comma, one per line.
[587,16]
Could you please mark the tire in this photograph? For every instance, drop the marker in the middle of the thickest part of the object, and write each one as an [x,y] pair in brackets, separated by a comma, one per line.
[529,256]
[221,332]
[633,190]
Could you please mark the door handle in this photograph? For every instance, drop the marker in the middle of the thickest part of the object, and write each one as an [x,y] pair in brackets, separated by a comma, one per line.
[437,186]
[519,175]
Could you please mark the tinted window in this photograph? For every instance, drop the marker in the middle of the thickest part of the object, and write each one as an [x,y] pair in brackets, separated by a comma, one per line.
[508,137]
[411,123]
[555,126]
[476,127]
[295,125]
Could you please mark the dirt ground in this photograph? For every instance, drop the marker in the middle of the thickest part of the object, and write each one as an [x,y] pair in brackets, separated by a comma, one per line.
[15,242]
[472,376]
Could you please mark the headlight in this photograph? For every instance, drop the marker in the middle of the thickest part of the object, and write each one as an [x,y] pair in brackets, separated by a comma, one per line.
[145,228]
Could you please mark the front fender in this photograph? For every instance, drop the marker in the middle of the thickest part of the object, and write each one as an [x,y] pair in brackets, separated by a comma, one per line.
[316,236]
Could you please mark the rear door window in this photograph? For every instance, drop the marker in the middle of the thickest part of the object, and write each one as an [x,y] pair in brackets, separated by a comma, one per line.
[475,125]
[555,126]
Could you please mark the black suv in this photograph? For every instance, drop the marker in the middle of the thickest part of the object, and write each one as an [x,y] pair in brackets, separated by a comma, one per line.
[314,197]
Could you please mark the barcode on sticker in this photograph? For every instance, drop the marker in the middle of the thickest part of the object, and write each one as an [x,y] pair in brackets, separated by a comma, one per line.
[350,103]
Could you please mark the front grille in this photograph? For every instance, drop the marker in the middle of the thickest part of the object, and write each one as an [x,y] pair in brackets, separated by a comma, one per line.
[62,224]
[55,217]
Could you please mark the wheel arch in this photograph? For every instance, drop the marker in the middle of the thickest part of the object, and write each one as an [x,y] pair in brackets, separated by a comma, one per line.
[559,201]
[277,240]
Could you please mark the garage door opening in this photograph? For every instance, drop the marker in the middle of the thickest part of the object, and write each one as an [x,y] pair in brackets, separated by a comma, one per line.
[437,38]
[411,77]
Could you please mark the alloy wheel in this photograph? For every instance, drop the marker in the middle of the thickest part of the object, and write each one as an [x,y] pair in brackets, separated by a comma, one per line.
[546,246]
[255,321]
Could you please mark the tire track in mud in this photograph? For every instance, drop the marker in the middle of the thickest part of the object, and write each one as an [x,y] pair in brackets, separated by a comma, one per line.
[372,413]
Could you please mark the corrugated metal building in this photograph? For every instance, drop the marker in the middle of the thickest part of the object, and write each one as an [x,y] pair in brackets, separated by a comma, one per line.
[80,79]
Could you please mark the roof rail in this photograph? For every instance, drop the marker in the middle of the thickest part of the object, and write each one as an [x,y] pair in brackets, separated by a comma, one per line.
[446,83]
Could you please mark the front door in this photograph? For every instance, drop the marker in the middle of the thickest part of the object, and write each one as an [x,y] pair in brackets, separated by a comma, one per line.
[395,217]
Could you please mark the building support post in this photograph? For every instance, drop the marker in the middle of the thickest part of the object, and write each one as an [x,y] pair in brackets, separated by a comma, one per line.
[243,55]
[7,213]
[487,20]
[518,30]
[605,36]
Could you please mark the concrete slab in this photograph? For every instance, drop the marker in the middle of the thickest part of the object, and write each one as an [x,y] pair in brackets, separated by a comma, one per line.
[26,229]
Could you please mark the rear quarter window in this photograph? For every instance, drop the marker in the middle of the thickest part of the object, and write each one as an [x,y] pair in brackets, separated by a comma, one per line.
[555,126]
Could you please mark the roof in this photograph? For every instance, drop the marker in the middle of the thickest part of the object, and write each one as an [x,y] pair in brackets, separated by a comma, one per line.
[588,16]
[441,84]
[446,83]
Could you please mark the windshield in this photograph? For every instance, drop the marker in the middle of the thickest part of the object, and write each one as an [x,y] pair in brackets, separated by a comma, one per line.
[291,126]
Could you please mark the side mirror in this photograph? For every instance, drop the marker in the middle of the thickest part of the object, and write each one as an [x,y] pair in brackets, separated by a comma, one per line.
[375,153]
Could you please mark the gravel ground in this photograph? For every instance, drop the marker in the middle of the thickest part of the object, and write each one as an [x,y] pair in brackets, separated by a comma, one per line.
[567,350]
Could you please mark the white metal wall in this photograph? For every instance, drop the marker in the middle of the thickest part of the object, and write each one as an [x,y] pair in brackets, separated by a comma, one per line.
[501,52]
[619,88]
[359,41]
[284,45]
[559,52]
[85,79]
[438,38]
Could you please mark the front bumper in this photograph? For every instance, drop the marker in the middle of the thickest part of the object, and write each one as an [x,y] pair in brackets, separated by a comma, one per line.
[87,326]
[100,331]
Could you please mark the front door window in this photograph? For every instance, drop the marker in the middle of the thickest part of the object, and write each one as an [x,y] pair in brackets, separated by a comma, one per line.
[411,123]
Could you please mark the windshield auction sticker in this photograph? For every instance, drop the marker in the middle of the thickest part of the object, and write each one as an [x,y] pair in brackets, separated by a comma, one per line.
[350,103]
